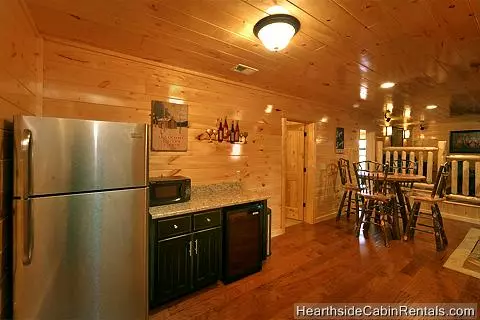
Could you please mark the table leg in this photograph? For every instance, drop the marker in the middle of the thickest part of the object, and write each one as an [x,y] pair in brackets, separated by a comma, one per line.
[401,203]
[396,224]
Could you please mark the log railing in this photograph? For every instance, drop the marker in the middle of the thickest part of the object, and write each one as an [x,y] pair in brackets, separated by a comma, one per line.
[461,165]
[417,154]
[464,174]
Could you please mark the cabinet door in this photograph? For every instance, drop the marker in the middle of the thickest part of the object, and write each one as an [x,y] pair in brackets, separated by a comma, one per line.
[172,269]
[207,258]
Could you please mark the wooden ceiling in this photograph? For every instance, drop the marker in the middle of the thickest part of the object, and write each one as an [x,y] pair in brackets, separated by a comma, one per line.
[430,48]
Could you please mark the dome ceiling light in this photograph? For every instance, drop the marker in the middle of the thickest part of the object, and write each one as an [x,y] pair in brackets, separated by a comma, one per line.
[276,30]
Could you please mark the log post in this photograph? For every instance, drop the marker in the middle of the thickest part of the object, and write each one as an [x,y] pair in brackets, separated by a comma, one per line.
[429,166]
[454,177]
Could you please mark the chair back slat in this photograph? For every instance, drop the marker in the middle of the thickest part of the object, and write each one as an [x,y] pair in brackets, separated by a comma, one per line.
[371,177]
[344,170]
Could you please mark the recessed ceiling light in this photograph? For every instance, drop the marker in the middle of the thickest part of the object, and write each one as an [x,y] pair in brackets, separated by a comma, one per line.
[276,30]
[356,105]
[387,85]
[324,119]
[431,107]
[269,108]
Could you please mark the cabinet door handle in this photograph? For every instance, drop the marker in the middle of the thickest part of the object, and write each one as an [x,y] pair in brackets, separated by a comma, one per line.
[254,213]
[209,220]
[196,246]
[175,226]
[190,245]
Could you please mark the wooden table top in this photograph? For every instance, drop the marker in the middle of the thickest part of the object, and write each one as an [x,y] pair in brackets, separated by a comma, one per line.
[400,177]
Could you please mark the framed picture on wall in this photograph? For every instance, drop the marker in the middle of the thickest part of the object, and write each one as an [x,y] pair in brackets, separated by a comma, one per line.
[169,126]
[340,140]
[467,141]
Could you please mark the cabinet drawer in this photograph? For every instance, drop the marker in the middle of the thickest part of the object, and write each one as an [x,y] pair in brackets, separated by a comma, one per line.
[173,227]
[206,220]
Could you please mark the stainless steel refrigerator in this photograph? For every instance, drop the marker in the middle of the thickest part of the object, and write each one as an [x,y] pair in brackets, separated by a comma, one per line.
[80,219]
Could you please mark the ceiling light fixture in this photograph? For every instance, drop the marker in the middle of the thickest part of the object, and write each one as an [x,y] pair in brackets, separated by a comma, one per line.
[387,85]
[363,92]
[431,107]
[387,131]
[276,30]
[269,108]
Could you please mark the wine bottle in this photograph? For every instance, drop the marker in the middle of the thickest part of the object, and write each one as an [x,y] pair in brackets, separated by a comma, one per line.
[232,134]
[225,130]
[237,133]
[220,132]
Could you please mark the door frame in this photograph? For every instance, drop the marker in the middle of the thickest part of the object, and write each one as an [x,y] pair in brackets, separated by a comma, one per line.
[309,183]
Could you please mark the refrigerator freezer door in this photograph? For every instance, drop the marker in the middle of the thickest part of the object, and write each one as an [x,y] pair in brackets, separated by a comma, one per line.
[66,155]
[88,257]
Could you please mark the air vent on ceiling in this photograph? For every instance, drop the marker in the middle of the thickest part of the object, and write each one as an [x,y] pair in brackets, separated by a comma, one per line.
[244,69]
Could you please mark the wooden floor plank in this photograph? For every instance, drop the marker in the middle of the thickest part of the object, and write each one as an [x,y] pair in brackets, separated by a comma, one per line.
[326,263]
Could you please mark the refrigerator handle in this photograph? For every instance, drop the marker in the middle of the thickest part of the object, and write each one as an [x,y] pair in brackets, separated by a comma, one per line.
[27,233]
[27,151]
[27,207]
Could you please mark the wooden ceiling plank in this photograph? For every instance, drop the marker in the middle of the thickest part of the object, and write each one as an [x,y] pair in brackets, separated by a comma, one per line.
[457,17]
[143,23]
[342,45]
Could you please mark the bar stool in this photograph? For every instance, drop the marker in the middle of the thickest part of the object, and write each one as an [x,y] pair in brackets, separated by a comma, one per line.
[349,189]
[378,204]
[437,196]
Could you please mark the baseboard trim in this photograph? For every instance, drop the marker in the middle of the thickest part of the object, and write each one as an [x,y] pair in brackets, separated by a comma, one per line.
[327,216]
[277,232]
[460,218]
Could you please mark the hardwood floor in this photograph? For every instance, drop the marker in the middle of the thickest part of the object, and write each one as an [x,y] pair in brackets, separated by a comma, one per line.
[326,263]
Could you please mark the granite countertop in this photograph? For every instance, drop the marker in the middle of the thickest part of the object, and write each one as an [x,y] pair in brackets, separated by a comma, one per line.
[208,197]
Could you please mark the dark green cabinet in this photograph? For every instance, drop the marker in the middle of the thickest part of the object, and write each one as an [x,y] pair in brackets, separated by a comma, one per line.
[184,263]
[172,268]
[206,264]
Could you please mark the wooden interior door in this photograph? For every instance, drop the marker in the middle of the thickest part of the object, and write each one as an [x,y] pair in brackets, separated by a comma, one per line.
[295,151]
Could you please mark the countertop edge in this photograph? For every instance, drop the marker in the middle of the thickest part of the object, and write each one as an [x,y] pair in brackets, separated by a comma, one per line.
[209,207]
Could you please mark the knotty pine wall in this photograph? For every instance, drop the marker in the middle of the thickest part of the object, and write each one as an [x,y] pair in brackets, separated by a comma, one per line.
[20,93]
[440,130]
[328,186]
[90,83]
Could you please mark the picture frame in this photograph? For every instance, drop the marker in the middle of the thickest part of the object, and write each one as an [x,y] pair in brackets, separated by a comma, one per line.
[464,141]
[339,140]
[169,126]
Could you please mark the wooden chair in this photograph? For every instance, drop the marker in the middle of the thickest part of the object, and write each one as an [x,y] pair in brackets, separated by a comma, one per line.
[437,196]
[376,200]
[349,189]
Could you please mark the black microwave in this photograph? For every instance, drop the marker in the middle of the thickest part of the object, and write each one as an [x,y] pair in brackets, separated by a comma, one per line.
[167,190]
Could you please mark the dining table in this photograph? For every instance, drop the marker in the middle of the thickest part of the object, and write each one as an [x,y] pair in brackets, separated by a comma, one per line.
[396,180]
